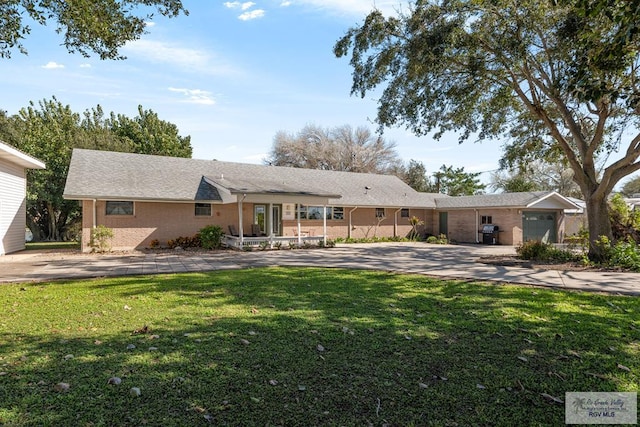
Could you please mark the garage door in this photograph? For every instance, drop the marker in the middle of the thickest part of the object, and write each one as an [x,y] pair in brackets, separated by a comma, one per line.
[539,226]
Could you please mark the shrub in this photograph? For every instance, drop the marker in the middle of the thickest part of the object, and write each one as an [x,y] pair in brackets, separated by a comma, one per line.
[211,237]
[185,242]
[624,254]
[101,238]
[438,240]
[536,250]
[155,243]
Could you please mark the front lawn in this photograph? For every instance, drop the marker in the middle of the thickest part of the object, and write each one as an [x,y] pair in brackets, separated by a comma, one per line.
[285,346]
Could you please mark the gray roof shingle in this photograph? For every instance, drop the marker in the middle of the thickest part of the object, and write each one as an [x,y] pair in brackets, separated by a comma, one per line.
[503,200]
[126,176]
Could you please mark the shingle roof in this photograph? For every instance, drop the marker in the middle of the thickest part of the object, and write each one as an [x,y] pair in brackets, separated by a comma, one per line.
[126,176]
[504,200]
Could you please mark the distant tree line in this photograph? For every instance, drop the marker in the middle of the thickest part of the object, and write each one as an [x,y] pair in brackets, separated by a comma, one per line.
[49,131]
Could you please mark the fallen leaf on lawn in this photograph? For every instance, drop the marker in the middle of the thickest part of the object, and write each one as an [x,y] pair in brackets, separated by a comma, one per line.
[135,391]
[131,346]
[612,349]
[153,348]
[524,359]
[498,334]
[551,398]
[320,347]
[574,353]
[480,386]
[126,307]
[68,357]
[302,388]
[154,337]
[252,333]
[273,382]
[114,380]
[62,387]
[255,399]
[208,417]
[144,330]
[423,385]
[624,368]
[528,341]
[407,337]
[602,377]
[244,341]
[97,342]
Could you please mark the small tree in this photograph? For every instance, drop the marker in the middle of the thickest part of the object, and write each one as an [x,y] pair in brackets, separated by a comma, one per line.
[415,223]
[101,238]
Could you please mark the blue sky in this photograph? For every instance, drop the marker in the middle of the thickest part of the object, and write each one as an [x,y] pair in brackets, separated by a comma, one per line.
[230,75]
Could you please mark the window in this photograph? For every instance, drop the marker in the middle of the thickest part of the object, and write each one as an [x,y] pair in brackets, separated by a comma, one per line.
[203,209]
[316,212]
[119,208]
[338,213]
[404,213]
[380,213]
[487,219]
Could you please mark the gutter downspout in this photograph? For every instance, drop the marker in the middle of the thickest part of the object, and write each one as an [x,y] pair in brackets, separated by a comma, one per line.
[395,222]
[350,223]
[477,239]
[93,219]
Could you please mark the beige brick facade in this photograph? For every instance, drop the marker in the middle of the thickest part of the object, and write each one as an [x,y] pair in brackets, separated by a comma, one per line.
[464,225]
[165,221]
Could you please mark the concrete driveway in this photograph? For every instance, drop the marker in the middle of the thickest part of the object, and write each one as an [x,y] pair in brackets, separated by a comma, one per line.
[445,261]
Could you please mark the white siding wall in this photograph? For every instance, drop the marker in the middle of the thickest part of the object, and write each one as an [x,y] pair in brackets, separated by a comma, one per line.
[13,190]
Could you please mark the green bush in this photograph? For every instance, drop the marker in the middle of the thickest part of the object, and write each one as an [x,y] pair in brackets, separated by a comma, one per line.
[101,238]
[536,250]
[438,240]
[624,254]
[211,237]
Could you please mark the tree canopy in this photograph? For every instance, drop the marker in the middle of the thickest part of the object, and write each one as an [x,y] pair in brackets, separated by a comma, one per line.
[555,79]
[97,26]
[631,186]
[536,176]
[50,130]
[342,148]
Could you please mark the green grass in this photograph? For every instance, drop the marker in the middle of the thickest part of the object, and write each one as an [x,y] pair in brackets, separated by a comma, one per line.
[52,245]
[395,350]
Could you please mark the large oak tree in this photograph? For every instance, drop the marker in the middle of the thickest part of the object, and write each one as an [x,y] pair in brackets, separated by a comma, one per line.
[98,26]
[558,78]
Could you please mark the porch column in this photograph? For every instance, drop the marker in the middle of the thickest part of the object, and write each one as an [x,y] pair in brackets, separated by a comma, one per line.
[395,222]
[240,229]
[270,230]
[299,227]
[324,225]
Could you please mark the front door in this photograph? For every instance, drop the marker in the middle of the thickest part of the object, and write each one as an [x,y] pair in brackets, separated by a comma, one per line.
[276,219]
[444,223]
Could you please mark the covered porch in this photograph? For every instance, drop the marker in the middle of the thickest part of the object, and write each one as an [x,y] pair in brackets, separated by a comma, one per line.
[269,207]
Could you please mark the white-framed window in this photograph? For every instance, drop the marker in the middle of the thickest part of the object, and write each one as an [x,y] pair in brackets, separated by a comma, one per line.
[202,209]
[316,212]
[118,208]
[404,213]
[380,213]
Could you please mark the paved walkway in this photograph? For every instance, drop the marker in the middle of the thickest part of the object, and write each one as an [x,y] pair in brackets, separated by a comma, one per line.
[459,261]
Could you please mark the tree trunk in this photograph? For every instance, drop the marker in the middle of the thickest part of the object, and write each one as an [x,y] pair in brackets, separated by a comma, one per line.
[599,225]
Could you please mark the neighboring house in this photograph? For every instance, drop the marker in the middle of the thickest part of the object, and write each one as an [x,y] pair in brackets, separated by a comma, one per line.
[13,197]
[145,198]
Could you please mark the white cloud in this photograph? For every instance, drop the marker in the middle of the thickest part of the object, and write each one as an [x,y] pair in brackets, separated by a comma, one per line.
[85,65]
[357,7]
[285,3]
[239,5]
[182,57]
[195,96]
[254,14]
[149,24]
[51,65]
